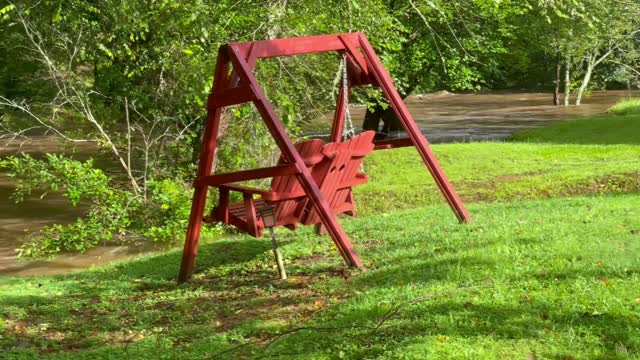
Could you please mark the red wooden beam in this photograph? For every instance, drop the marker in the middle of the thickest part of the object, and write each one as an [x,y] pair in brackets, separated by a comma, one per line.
[231,96]
[392,143]
[245,175]
[205,164]
[293,46]
[251,58]
[386,84]
[350,44]
[277,130]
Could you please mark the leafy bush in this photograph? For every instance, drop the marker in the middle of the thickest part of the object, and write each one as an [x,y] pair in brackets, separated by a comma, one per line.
[628,106]
[166,212]
[113,214]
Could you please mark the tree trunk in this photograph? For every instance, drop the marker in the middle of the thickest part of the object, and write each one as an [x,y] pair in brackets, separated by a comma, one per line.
[592,62]
[586,79]
[556,91]
[567,79]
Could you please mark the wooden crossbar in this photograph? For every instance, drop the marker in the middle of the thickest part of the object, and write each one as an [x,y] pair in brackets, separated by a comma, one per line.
[246,175]
[294,46]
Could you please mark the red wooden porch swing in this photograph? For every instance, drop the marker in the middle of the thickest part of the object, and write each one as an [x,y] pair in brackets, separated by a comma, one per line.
[312,181]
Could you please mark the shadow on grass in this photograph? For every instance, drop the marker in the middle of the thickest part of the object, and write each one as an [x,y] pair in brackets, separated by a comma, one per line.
[111,310]
[422,327]
[165,266]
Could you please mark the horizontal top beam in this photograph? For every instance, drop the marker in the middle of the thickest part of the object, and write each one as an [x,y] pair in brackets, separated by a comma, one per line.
[295,46]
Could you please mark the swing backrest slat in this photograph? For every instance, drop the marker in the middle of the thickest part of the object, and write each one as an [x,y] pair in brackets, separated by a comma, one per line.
[339,172]
[288,211]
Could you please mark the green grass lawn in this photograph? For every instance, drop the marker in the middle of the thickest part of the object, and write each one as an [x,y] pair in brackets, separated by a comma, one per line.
[558,277]
[498,172]
[604,130]
[596,155]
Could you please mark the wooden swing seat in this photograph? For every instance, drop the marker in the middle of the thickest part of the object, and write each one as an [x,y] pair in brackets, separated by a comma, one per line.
[335,169]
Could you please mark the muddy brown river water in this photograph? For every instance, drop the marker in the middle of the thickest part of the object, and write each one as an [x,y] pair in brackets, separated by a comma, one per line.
[442,117]
[445,117]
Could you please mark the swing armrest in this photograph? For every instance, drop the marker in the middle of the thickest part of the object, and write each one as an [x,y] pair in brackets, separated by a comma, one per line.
[266,194]
[359,179]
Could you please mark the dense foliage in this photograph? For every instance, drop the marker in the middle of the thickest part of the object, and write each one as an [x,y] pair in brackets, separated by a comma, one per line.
[133,76]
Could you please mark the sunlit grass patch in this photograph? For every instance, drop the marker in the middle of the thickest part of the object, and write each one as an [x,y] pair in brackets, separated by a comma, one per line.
[604,130]
[498,172]
[629,106]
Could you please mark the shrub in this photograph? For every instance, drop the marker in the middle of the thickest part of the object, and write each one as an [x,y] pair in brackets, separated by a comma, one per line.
[113,214]
[628,106]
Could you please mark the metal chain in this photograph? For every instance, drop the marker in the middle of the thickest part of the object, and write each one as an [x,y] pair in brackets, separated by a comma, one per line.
[349,130]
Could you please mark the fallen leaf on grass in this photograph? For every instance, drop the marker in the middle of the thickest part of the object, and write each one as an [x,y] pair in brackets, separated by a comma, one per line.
[525,298]
[55,335]
[295,280]
[603,281]
[20,327]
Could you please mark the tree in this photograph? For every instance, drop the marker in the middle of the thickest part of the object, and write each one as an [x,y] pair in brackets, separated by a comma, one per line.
[587,33]
[445,45]
[134,77]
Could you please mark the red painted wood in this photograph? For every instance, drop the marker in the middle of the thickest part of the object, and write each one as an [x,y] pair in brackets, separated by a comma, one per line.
[294,46]
[245,175]
[209,142]
[420,142]
[350,43]
[286,194]
[392,143]
[341,172]
[251,58]
[231,96]
[276,128]
[250,210]
[222,212]
[268,195]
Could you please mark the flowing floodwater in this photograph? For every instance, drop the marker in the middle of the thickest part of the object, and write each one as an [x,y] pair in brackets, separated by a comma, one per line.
[443,117]
[446,117]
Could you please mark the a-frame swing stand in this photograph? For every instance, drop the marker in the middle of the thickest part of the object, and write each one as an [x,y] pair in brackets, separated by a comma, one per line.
[234,83]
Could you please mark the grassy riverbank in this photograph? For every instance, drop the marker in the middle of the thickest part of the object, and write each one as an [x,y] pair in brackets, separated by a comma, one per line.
[586,156]
[555,277]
